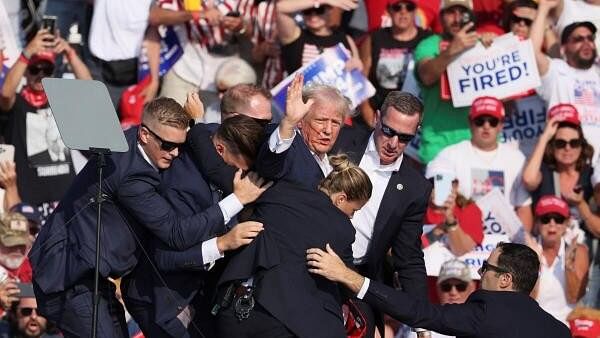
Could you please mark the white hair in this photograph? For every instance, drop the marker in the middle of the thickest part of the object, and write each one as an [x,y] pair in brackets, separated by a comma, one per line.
[233,72]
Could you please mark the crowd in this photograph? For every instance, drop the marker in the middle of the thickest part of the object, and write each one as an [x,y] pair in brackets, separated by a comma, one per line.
[220,195]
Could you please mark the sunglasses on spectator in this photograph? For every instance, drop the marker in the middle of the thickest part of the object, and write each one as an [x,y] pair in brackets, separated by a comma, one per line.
[518,19]
[36,69]
[558,219]
[447,286]
[481,120]
[407,6]
[402,137]
[315,10]
[487,266]
[164,145]
[27,311]
[561,144]
[581,38]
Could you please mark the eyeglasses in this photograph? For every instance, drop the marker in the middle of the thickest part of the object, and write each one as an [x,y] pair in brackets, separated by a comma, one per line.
[581,38]
[487,266]
[558,219]
[561,144]
[481,120]
[407,6]
[518,19]
[27,311]
[315,10]
[447,286]
[36,69]
[402,137]
[164,145]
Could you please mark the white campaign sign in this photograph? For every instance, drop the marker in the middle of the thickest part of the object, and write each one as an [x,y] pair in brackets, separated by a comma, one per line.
[499,216]
[506,68]
[436,254]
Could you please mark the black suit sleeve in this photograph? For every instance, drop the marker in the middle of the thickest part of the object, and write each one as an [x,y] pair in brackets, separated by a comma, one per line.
[452,319]
[407,254]
[138,195]
[169,260]
[270,165]
[209,162]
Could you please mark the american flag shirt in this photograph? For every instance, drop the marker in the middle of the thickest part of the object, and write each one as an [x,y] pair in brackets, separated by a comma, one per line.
[265,29]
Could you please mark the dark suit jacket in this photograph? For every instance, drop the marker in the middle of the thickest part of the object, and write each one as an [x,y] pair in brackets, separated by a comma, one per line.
[296,165]
[64,251]
[182,273]
[399,220]
[295,219]
[486,314]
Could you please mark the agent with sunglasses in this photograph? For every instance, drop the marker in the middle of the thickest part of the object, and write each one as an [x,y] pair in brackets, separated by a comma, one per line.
[501,308]
[564,263]
[43,163]
[482,163]
[571,78]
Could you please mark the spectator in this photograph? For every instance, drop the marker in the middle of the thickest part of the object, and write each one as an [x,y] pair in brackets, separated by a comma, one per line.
[482,163]
[564,263]
[518,17]
[8,182]
[387,54]
[562,155]
[570,11]
[300,46]
[584,322]
[15,241]
[459,220]
[266,50]
[232,72]
[23,319]
[575,79]
[443,125]
[43,163]
[32,215]
[208,37]
[454,285]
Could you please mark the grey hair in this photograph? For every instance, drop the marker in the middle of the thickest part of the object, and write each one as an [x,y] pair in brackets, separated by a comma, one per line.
[403,102]
[325,94]
[235,71]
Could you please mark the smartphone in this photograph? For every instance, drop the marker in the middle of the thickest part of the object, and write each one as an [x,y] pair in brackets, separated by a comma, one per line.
[7,152]
[49,23]
[442,185]
[467,17]
[26,290]
[234,14]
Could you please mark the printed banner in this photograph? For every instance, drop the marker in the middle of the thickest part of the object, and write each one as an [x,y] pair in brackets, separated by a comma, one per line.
[436,254]
[524,124]
[498,215]
[170,52]
[328,68]
[505,69]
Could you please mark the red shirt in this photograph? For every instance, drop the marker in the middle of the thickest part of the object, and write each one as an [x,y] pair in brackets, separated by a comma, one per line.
[469,219]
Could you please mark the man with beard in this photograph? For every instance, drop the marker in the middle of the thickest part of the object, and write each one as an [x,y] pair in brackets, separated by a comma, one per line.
[23,319]
[14,243]
[576,79]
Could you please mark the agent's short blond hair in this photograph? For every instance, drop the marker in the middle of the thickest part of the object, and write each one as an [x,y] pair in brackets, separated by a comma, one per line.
[166,111]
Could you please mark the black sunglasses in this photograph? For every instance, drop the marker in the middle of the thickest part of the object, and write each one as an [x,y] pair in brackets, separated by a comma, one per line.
[487,266]
[315,10]
[581,38]
[402,137]
[518,19]
[558,219]
[481,120]
[27,311]
[35,70]
[397,7]
[573,143]
[447,286]
[164,145]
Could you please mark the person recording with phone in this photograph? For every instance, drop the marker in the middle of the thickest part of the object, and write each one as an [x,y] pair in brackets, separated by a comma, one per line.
[43,162]
[458,219]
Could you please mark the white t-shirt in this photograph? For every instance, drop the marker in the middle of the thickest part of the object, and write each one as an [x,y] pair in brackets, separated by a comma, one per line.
[479,172]
[575,11]
[407,332]
[565,84]
[551,290]
[118,28]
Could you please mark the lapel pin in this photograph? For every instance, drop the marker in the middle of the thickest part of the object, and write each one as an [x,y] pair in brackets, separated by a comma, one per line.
[400,186]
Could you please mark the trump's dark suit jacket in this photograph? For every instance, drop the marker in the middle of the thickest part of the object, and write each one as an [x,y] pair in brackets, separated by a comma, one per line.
[64,251]
[399,220]
[295,219]
[486,314]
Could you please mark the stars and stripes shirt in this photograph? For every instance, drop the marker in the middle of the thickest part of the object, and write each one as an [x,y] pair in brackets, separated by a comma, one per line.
[265,29]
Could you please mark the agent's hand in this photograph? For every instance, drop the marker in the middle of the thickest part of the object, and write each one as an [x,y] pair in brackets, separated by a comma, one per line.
[325,263]
[249,188]
[193,106]
[241,234]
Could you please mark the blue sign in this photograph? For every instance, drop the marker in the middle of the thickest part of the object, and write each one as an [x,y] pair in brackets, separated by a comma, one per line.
[170,52]
[329,68]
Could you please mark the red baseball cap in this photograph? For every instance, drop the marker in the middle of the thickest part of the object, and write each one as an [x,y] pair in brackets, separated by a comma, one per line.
[393,2]
[486,105]
[551,204]
[584,328]
[43,56]
[566,112]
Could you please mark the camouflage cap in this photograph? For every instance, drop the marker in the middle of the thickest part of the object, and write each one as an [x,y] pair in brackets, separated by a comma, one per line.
[13,229]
